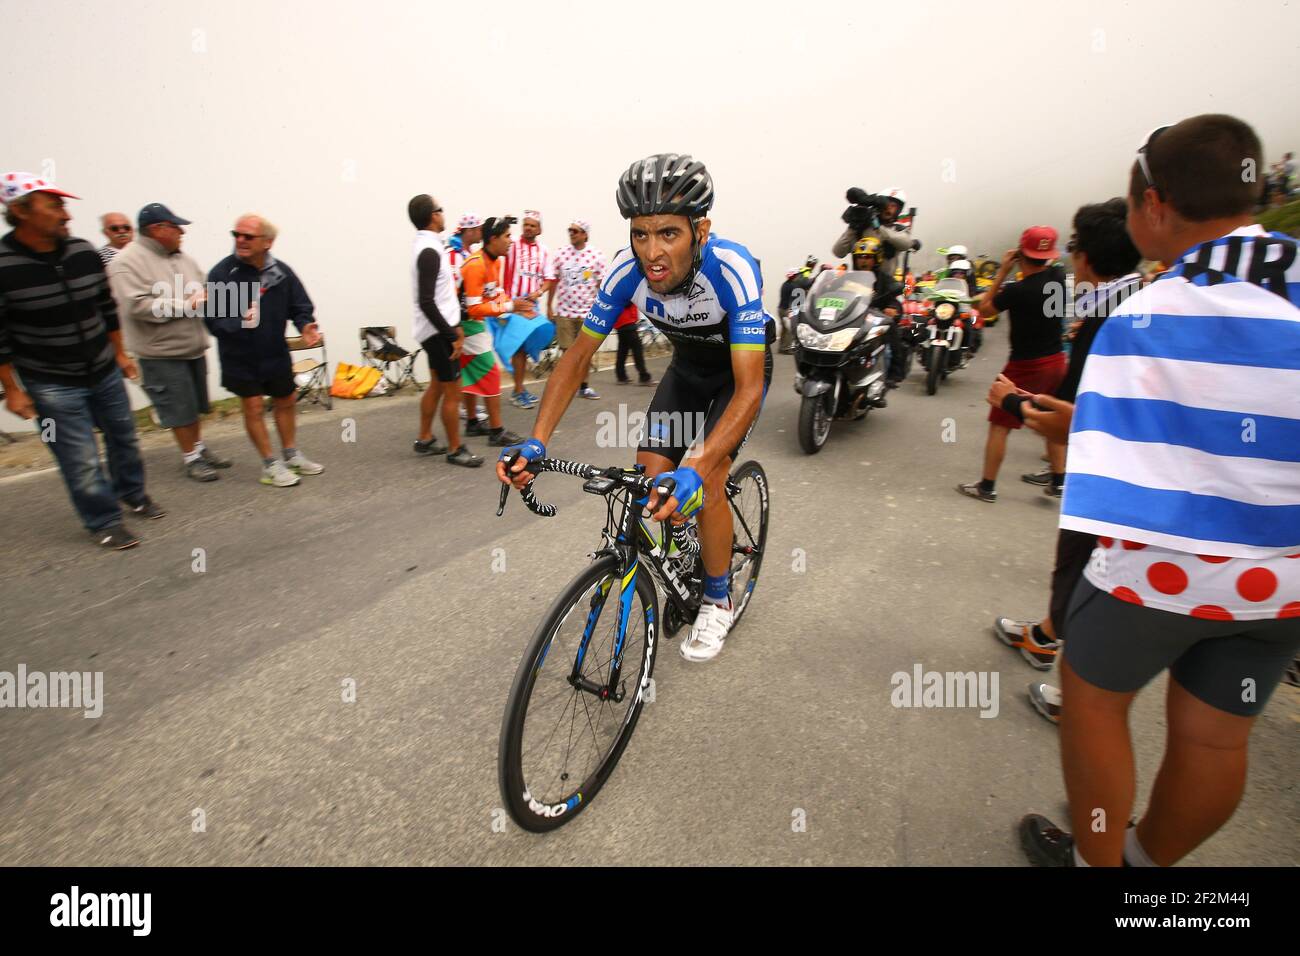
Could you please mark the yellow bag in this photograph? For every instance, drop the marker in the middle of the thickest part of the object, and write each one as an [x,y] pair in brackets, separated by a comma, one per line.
[354,381]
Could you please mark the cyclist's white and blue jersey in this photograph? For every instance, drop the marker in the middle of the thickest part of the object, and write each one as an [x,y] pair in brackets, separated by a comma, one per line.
[722,311]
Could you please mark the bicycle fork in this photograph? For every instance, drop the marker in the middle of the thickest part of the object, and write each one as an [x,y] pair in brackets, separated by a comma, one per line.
[627,591]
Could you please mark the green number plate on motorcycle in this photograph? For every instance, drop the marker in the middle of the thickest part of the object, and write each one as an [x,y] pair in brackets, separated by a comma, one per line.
[826,302]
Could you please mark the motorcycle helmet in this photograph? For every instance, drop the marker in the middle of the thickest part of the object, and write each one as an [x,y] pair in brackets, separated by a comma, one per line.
[956,252]
[869,246]
[961,265]
[897,195]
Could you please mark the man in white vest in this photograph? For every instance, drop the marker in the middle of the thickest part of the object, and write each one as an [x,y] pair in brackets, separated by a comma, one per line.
[437,329]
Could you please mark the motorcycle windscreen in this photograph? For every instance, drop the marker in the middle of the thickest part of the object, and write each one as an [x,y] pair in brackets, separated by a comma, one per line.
[839,298]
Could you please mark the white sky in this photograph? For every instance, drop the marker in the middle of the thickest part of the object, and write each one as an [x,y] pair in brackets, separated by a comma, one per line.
[328,116]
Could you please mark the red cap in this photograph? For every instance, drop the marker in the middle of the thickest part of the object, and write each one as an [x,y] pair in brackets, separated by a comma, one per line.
[1038,242]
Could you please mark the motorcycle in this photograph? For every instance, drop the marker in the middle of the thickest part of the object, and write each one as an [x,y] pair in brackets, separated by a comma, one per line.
[943,338]
[840,355]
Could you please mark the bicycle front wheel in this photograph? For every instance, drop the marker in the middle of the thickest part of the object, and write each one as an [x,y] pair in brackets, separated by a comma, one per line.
[747,491]
[560,741]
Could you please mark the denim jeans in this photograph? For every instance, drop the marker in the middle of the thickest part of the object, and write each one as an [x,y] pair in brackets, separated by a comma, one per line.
[68,415]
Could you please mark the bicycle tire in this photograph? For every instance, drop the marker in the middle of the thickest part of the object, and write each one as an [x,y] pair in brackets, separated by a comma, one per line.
[753,472]
[540,816]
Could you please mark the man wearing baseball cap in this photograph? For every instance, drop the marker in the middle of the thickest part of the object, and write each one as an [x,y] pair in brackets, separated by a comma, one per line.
[160,295]
[579,270]
[1036,366]
[59,330]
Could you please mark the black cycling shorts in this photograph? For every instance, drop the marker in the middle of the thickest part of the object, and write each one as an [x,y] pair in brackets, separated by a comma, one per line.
[688,404]
[1233,666]
[437,348]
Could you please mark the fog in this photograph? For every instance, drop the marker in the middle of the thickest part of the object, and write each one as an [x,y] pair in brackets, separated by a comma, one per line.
[327,116]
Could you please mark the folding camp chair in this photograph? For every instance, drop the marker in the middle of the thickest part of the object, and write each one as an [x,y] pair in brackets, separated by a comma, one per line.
[311,375]
[379,349]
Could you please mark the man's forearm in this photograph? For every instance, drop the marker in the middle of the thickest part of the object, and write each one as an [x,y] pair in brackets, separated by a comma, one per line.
[116,338]
[7,378]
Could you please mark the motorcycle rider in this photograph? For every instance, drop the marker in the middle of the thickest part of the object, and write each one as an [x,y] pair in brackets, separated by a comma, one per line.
[791,301]
[876,215]
[956,254]
[867,258]
[961,269]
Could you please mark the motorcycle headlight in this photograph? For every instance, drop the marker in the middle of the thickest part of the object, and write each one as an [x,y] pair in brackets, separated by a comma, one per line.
[834,342]
[945,310]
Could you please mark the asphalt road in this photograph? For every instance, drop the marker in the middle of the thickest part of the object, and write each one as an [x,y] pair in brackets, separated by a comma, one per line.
[224,688]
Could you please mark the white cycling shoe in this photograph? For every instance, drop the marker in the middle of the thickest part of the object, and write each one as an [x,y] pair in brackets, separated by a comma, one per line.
[707,633]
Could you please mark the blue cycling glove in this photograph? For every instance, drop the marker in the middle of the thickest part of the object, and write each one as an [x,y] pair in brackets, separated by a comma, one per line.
[688,489]
[531,449]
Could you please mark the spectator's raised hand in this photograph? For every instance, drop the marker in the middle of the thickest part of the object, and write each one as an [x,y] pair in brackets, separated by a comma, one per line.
[1051,418]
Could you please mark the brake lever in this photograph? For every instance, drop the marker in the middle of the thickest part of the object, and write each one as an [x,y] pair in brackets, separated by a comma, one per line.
[505,488]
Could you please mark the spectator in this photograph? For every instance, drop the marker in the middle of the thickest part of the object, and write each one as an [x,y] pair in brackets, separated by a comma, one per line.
[1037,361]
[437,329]
[160,295]
[1182,461]
[468,234]
[578,272]
[254,298]
[485,300]
[530,272]
[1105,264]
[59,329]
[629,340]
[117,229]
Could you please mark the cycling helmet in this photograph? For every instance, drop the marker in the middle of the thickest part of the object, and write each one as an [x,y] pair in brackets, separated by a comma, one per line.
[665,184]
[870,246]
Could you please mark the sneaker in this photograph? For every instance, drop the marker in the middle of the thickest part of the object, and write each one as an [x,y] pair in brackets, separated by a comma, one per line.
[462,456]
[1045,843]
[200,469]
[707,633]
[1043,477]
[505,438]
[588,392]
[523,400]
[476,428]
[116,538]
[625,381]
[892,383]
[147,509]
[279,475]
[1046,700]
[1020,634]
[430,447]
[649,381]
[301,465]
[1054,491]
[973,490]
[213,459]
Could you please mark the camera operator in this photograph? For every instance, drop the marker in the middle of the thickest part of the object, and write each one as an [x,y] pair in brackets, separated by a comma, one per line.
[876,215]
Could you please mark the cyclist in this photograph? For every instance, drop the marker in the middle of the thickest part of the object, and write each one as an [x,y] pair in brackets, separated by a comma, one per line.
[706,295]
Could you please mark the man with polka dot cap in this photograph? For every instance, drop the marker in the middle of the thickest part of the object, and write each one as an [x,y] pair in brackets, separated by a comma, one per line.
[1184,461]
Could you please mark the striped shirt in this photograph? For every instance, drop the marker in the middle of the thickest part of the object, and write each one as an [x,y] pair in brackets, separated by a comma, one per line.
[456,256]
[56,312]
[1186,434]
[528,265]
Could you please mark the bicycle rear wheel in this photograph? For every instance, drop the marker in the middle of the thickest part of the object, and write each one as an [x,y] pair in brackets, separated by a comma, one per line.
[749,505]
[559,744]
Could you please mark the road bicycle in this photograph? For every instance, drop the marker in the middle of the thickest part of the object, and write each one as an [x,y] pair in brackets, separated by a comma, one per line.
[585,677]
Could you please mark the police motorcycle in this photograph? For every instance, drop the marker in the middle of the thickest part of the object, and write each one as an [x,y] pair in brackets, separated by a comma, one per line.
[942,335]
[840,354]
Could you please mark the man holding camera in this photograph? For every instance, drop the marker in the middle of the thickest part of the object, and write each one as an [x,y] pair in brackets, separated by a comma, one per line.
[876,215]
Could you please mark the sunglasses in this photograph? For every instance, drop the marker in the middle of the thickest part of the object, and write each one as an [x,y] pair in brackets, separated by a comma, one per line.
[119,228]
[244,235]
[572,231]
[437,209]
[1142,156]
[1072,246]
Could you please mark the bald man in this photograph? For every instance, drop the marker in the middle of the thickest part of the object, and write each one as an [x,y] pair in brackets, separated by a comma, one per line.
[118,231]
